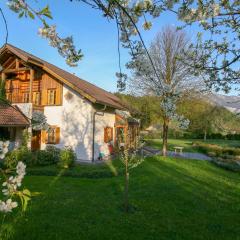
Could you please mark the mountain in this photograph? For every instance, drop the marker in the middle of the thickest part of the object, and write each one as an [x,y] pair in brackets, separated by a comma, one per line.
[232,103]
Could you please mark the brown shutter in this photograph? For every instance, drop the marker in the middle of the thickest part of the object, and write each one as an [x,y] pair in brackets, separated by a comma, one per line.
[108,134]
[44,97]
[57,135]
[59,96]
[111,134]
[44,136]
[105,134]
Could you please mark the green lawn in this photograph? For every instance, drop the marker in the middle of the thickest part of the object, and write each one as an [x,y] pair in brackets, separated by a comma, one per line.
[174,199]
[187,143]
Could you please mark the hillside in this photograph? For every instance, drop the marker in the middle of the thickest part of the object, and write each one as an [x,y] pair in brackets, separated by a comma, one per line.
[232,103]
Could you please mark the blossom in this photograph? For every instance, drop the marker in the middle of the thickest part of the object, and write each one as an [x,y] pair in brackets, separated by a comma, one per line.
[14,182]
[3,148]
[7,206]
[65,46]
[21,169]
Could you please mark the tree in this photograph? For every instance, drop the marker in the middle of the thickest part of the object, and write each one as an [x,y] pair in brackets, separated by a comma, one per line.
[216,54]
[173,78]
[131,159]
[207,118]
[145,108]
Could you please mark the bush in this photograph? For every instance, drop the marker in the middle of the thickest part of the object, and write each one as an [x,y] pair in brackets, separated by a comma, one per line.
[41,157]
[46,157]
[21,154]
[67,158]
[55,152]
[216,150]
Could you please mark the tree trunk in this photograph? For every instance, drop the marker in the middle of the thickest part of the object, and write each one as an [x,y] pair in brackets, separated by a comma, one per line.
[126,202]
[205,135]
[165,136]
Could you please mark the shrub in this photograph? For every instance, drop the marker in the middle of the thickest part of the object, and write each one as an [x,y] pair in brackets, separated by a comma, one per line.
[67,158]
[216,150]
[44,157]
[21,154]
[54,151]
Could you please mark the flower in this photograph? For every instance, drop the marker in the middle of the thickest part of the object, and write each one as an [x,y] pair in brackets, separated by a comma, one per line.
[7,206]
[3,148]
[21,169]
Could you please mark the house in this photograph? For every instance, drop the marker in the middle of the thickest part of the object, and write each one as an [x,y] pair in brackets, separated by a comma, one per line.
[80,114]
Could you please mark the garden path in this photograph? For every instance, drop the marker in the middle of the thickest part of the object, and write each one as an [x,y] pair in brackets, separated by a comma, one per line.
[187,155]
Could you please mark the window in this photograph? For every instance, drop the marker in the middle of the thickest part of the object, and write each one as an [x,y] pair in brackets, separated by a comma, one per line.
[108,134]
[36,98]
[52,136]
[51,97]
[25,97]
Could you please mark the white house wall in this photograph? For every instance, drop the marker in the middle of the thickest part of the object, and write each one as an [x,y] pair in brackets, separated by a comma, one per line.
[74,118]
[102,121]
[27,109]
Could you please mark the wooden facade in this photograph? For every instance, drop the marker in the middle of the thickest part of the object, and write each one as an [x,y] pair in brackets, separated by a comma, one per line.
[126,132]
[28,84]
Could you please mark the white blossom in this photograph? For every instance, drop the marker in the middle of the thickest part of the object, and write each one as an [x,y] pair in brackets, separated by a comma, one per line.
[13,182]
[7,206]
[3,148]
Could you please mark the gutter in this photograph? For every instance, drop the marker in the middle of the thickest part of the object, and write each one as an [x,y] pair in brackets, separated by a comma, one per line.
[93,133]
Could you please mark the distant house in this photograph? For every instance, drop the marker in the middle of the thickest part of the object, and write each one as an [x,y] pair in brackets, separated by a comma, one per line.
[80,114]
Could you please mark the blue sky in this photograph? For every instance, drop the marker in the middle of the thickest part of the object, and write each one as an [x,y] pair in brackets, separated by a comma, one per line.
[92,33]
[95,35]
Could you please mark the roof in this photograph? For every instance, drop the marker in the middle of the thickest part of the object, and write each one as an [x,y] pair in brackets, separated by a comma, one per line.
[12,116]
[127,116]
[86,89]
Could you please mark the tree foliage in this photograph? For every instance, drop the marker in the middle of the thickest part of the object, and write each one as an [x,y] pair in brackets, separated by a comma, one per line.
[215,54]
[207,118]
[145,108]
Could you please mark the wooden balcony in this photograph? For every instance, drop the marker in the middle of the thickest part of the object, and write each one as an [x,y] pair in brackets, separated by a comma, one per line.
[38,108]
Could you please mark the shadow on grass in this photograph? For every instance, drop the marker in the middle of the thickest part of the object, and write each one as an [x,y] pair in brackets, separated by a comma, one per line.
[175,199]
[200,182]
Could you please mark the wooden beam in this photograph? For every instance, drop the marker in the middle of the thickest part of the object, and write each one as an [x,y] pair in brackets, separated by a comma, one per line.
[31,84]
[2,83]
[15,70]
[17,63]
[3,78]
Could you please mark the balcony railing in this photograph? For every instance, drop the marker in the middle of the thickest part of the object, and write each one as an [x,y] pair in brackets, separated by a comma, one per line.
[16,96]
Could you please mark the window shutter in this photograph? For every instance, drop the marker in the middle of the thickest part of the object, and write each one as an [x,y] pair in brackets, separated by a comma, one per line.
[44,97]
[105,135]
[108,134]
[44,136]
[57,135]
[58,96]
[111,134]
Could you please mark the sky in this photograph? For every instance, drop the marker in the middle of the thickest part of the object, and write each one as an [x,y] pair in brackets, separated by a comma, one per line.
[94,34]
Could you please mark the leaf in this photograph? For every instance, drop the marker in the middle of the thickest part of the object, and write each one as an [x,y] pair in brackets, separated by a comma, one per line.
[46,12]
[27,192]
[31,15]
[21,14]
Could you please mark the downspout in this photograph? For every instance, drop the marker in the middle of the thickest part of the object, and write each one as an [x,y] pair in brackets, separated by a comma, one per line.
[93,133]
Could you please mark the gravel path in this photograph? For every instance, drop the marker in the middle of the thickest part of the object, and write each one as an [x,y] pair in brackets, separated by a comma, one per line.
[187,155]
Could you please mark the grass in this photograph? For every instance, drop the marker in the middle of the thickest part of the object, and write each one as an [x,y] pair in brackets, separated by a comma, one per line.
[174,199]
[187,143]
[109,169]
